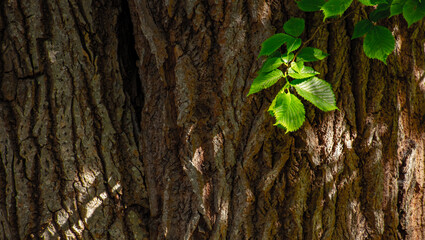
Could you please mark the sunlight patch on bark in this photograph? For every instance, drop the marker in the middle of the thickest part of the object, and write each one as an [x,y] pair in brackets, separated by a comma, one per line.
[63,216]
[94,204]
[398,40]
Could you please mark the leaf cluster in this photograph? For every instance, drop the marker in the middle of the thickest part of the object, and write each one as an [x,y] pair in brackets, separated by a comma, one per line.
[286,56]
[286,107]
[379,42]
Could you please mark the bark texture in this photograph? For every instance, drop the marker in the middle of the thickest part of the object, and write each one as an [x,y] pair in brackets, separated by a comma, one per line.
[70,163]
[129,120]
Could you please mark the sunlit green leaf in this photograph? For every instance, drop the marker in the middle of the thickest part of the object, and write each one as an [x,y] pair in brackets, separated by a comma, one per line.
[271,64]
[271,108]
[293,44]
[299,71]
[297,66]
[318,92]
[287,57]
[265,80]
[289,111]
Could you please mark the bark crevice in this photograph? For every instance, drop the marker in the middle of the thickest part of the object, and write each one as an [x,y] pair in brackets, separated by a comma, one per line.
[128,58]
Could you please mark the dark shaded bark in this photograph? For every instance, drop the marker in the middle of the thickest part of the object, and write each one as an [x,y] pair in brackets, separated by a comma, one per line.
[106,134]
[71,166]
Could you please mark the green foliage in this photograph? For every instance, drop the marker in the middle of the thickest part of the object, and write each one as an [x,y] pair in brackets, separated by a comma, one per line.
[289,111]
[309,54]
[265,80]
[287,57]
[413,11]
[334,8]
[318,92]
[361,28]
[310,5]
[286,107]
[382,11]
[396,7]
[299,71]
[294,26]
[293,44]
[378,43]
[289,63]
[274,43]
[271,64]
[372,2]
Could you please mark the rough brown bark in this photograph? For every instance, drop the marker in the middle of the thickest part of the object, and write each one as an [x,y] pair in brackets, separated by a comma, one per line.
[70,163]
[108,136]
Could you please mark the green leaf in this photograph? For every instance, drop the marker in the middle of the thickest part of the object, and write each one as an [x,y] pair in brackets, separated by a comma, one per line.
[382,11]
[287,57]
[413,11]
[297,66]
[366,2]
[318,92]
[372,2]
[289,111]
[310,5]
[299,80]
[378,43]
[381,1]
[293,44]
[280,126]
[294,26]
[309,54]
[271,64]
[299,71]
[273,43]
[265,80]
[397,7]
[271,108]
[361,28]
[275,54]
[335,7]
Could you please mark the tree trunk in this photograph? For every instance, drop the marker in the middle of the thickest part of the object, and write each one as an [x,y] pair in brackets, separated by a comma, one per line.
[129,120]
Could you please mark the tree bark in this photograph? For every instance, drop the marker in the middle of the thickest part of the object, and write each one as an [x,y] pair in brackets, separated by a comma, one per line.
[130,120]
[70,157]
